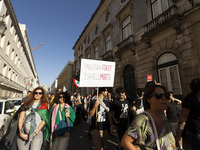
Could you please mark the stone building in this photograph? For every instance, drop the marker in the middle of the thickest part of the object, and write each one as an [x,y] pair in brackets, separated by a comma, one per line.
[64,79]
[17,68]
[144,37]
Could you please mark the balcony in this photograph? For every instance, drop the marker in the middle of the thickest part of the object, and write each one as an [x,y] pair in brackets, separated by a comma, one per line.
[168,17]
[5,81]
[107,55]
[127,44]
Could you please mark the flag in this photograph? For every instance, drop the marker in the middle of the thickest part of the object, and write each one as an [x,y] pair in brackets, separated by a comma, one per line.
[77,83]
[64,89]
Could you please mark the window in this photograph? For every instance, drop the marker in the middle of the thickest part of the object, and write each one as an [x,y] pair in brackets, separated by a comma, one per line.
[108,42]
[2,42]
[8,48]
[88,56]
[88,40]
[169,73]
[18,63]
[96,56]
[16,78]
[13,76]
[107,17]
[126,28]
[158,6]
[9,73]
[96,30]
[16,57]
[12,54]
[4,70]
[8,105]
[81,48]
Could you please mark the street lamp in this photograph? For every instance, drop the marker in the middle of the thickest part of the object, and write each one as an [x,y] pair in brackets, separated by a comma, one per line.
[2,26]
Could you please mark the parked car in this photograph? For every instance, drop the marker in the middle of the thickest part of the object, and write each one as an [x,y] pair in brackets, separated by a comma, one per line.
[6,113]
[16,102]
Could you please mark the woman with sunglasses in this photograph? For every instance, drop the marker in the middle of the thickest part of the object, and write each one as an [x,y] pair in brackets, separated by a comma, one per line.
[62,110]
[33,123]
[142,134]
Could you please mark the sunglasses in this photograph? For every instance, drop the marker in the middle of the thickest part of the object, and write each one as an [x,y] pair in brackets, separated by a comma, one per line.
[160,95]
[40,93]
[61,96]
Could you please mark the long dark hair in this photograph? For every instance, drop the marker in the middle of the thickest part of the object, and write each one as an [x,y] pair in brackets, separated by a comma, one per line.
[31,97]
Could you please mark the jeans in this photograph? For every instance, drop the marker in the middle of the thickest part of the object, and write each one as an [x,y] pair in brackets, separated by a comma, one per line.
[35,144]
[194,140]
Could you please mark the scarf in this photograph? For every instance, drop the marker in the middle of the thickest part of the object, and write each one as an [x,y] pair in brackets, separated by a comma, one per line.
[42,110]
[31,118]
[55,119]
[102,104]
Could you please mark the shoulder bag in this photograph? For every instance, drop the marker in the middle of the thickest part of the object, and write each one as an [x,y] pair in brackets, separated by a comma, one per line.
[61,128]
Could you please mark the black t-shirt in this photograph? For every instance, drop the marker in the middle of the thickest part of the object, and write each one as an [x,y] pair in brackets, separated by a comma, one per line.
[192,102]
[171,111]
[102,117]
[121,109]
[138,102]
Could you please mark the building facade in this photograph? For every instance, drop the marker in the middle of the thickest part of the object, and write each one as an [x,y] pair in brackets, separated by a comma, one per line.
[144,37]
[64,79]
[17,68]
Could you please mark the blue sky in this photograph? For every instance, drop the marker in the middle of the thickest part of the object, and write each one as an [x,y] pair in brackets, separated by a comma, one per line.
[56,24]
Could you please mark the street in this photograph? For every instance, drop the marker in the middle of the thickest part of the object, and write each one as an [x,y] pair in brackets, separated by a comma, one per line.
[79,139]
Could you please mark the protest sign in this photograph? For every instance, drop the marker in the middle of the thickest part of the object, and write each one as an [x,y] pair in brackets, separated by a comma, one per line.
[96,73]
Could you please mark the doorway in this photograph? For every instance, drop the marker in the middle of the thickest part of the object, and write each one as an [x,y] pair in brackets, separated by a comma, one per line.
[129,81]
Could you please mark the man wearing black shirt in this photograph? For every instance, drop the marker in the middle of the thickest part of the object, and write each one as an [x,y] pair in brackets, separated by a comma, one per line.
[120,110]
[171,114]
[190,112]
[101,119]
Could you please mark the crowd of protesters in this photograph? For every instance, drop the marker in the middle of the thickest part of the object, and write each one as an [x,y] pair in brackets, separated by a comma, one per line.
[148,121]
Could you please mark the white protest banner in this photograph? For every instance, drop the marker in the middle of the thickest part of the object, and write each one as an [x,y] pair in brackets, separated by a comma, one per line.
[96,73]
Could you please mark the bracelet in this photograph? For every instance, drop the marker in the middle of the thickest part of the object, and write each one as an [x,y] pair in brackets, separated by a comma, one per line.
[35,133]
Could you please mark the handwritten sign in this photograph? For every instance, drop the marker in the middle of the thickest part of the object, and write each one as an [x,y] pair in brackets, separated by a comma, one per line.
[96,73]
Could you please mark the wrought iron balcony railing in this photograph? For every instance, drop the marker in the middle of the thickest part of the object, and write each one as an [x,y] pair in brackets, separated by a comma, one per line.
[127,44]
[170,13]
